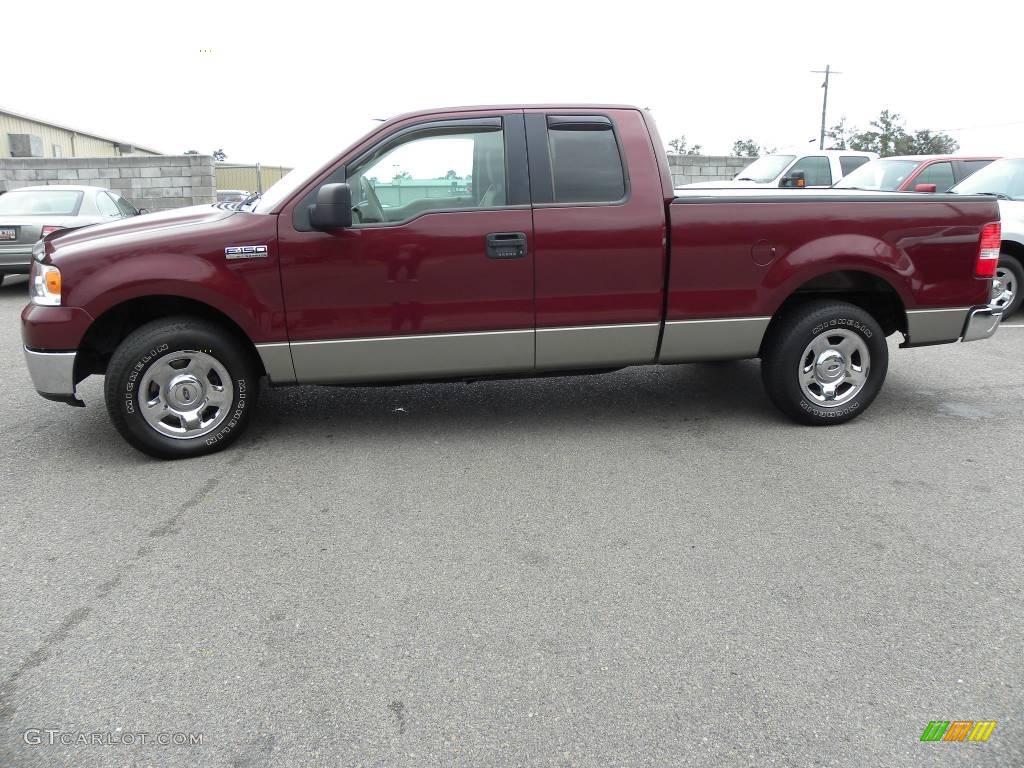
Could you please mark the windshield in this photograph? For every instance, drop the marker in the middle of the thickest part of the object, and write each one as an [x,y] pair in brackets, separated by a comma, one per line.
[879,175]
[43,202]
[1003,177]
[292,181]
[765,168]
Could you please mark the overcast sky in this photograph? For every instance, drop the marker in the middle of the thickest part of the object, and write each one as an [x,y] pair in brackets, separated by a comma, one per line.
[288,82]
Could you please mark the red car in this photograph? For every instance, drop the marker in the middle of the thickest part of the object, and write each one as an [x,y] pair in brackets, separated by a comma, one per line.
[499,242]
[913,173]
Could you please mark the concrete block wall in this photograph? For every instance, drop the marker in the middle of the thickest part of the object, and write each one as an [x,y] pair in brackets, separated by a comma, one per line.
[687,169]
[156,183]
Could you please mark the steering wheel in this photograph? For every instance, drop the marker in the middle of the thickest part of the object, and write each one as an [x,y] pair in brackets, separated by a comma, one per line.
[374,210]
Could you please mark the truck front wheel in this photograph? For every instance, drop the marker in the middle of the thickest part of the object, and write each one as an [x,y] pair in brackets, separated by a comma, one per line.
[824,363]
[180,387]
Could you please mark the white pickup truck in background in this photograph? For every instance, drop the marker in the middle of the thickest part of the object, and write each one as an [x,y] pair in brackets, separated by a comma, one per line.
[820,168]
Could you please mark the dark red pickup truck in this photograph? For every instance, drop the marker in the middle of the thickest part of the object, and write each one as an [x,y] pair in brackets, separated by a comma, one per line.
[489,242]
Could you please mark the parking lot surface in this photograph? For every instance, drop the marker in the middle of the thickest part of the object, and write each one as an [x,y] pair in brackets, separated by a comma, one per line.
[650,567]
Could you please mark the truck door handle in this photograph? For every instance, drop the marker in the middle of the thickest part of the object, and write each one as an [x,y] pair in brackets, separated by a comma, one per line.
[506,245]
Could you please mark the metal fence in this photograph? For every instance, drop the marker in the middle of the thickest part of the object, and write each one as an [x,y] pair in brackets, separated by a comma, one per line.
[251,178]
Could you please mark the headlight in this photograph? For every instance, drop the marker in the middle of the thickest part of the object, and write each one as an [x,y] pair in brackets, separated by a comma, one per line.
[44,285]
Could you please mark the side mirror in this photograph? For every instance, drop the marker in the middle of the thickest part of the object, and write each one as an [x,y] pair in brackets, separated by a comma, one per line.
[333,207]
[926,188]
[143,210]
[795,179]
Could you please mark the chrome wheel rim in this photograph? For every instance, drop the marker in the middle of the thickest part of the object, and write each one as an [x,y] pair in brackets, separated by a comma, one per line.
[1004,288]
[185,394]
[834,368]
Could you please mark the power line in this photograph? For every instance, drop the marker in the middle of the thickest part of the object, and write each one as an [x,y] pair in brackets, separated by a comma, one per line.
[975,127]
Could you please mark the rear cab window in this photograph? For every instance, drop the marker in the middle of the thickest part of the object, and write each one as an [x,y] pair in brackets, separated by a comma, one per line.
[968,167]
[848,163]
[586,161]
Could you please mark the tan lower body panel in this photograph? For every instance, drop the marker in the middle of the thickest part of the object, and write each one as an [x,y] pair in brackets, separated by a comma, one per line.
[931,326]
[693,341]
[277,362]
[391,358]
[596,346]
[453,355]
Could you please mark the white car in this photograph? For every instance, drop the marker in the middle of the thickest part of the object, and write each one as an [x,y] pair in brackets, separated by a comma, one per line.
[820,168]
[1004,179]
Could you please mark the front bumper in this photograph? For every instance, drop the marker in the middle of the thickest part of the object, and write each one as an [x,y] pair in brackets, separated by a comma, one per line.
[53,375]
[981,323]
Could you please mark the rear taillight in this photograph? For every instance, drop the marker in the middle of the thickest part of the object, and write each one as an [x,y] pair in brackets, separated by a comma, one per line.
[47,230]
[988,250]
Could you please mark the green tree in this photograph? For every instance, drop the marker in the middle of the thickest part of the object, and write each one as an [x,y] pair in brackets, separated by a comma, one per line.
[219,156]
[925,142]
[888,136]
[840,134]
[749,148]
[678,146]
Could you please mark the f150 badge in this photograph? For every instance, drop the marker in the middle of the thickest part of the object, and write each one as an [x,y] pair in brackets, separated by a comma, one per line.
[246,252]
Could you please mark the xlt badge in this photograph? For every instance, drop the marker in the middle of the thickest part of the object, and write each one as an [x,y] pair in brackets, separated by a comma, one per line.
[246,252]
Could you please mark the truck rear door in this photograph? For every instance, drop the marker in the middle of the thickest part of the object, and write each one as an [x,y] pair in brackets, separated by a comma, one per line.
[599,237]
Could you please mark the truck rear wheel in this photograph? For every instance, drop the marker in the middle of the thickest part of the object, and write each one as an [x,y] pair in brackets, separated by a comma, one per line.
[824,363]
[180,387]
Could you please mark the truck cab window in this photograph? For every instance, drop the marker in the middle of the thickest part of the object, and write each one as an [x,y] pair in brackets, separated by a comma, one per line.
[586,166]
[850,163]
[939,174]
[438,169]
[817,172]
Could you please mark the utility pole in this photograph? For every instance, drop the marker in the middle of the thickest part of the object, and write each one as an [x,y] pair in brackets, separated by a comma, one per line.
[824,101]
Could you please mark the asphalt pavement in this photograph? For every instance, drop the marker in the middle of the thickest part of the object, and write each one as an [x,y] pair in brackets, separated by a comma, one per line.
[650,567]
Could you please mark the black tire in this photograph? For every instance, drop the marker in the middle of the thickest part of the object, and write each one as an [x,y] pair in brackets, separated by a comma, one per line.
[1013,269]
[174,340]
[823,322]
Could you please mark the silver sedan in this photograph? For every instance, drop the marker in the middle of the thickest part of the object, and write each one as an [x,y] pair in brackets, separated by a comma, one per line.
[30,213]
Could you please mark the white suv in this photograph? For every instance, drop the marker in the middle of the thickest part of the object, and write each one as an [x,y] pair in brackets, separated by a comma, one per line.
[1004,179]
[821,168]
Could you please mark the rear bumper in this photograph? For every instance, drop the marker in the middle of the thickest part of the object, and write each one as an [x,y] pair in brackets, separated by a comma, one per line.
[981,323]
[53,375]
[15,259]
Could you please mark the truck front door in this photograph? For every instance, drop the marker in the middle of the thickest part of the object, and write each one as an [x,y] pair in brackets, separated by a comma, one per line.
[435,277]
